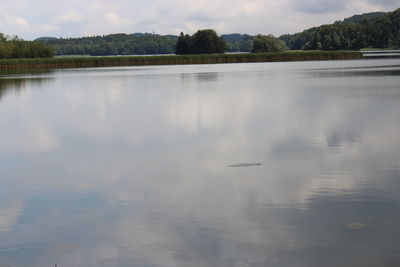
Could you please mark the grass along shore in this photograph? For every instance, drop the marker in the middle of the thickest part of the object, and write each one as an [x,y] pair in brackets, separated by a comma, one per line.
[81,62]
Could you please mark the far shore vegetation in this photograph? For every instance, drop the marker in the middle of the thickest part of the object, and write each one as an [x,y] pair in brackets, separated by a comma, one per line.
[80,62]
[14,47]
[366,31]
[371,30]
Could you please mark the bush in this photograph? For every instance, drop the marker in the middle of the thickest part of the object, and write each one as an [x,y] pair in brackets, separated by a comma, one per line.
[268,43]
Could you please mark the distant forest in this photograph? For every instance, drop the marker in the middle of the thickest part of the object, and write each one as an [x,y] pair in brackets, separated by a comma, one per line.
[134,44]
[113,44]
[371,30]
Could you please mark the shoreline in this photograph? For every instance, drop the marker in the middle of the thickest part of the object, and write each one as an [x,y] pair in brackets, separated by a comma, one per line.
[113,61]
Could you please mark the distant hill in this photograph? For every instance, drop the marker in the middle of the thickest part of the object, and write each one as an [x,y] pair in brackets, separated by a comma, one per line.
[371,30]
[360,18]
[45,39]
[237,42]
[139,34]
[235,37]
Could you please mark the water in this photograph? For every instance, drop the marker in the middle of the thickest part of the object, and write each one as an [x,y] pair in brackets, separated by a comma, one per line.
[380,53]
[263,164]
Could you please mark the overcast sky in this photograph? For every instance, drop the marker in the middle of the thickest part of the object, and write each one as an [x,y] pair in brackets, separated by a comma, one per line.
[30,19]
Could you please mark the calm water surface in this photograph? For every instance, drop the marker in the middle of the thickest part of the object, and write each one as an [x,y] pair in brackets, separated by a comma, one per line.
[270,164]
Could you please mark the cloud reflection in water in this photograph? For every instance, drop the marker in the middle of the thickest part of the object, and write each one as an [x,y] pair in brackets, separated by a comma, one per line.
[137,171]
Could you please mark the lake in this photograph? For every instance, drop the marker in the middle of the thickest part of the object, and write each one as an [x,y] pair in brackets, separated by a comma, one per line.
[380,53]
[260,164]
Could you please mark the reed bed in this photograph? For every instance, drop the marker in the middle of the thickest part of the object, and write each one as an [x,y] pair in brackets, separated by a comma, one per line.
[82,62]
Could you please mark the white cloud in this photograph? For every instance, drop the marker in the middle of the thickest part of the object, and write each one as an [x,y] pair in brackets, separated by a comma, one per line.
[24,25]
[70,17]
[114,19]
[22,22]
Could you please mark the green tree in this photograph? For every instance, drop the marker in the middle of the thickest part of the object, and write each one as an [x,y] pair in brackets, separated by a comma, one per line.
[202,42]
[268,43]
[2,37]
[14,47]
[183,44]
[208,42]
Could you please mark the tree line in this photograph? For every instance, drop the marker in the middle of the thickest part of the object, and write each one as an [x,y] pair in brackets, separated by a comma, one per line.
[202,42]
[14,47]
[371,30]
[113,44]
[135,44]
[147,44]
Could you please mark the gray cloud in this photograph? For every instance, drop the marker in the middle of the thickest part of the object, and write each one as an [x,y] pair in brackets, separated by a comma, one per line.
[318,6]
[385,3]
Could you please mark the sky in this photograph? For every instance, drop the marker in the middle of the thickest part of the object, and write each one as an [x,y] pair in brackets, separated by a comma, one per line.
[30,19]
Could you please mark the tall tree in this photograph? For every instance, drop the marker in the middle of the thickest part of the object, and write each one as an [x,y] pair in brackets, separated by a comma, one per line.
[202,42]
[208,42]
[183,44]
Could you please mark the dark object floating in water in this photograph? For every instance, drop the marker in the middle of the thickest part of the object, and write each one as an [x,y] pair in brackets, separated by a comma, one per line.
[252,164]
